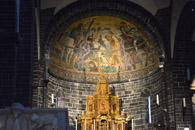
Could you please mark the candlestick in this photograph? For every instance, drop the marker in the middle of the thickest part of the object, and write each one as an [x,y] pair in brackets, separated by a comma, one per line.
[94,124]
[122,124]
[157,99]
[52,98]
[76,124]
[85,124]
[184,102]
[132,124]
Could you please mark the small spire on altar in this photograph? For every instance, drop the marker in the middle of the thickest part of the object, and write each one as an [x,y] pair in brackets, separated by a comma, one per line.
[102,79]
[102,70]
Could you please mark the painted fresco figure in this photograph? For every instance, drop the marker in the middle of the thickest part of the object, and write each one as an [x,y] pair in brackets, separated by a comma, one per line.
[125,29]
[79,55]
[77,34]
[76,63]
[69,50]
[115,56]
[125,34]
[149,53]
[97,39]
[130,60]
[96,36]
[138,55]
[87,45]
[84,46]
[62,53]
[132,39]
[92,67]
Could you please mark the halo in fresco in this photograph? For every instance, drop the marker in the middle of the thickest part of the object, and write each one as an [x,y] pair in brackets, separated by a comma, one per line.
[111,43]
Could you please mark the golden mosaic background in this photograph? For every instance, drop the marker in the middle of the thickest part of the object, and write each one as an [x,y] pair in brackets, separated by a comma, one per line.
[90,43]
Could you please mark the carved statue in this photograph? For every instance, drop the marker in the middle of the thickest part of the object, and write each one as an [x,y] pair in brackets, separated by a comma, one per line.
[44,120]
[13,121]
[2,122]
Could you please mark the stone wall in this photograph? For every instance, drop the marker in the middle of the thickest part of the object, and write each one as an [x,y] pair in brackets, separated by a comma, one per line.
[173,82]
[16,52]
[133,97]
[183,55]
[38,67]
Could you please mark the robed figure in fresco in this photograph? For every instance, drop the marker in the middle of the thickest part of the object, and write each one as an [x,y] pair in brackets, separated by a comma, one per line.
[115,51]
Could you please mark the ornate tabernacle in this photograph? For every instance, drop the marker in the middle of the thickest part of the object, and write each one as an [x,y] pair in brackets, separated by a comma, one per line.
[102,110]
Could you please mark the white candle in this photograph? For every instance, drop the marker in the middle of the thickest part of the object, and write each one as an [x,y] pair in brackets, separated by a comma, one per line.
[157,99]
[52,98]
[186,128]
[132,124]
[46,73]
[85,125]
[184,102]
[188,74]
[76,124]
[149,110]
[94,124]
[122,124]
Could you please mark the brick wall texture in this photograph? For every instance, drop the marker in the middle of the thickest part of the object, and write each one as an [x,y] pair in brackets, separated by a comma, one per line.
[133,97]
[16,53]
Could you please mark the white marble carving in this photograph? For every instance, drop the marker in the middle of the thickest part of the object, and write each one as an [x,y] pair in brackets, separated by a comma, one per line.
[44,120]
[13,119]
[2,122]
[19,118]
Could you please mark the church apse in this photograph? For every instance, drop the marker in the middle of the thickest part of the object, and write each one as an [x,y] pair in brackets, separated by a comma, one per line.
[129,55]
[123,48]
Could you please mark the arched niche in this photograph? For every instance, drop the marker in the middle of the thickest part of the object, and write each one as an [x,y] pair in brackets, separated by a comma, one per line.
[60,99]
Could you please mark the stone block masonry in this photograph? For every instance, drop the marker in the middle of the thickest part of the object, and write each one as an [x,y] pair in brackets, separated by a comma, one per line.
[133,97]
[16,53]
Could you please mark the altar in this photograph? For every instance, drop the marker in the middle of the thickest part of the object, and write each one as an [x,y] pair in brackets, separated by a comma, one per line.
[102,110]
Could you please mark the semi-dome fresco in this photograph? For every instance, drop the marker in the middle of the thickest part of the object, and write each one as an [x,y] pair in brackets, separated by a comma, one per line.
[121,49]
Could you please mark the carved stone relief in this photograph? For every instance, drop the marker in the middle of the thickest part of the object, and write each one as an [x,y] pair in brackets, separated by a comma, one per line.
[19,118]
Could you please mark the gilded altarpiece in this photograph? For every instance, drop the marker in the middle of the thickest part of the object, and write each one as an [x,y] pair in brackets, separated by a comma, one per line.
[102,110]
